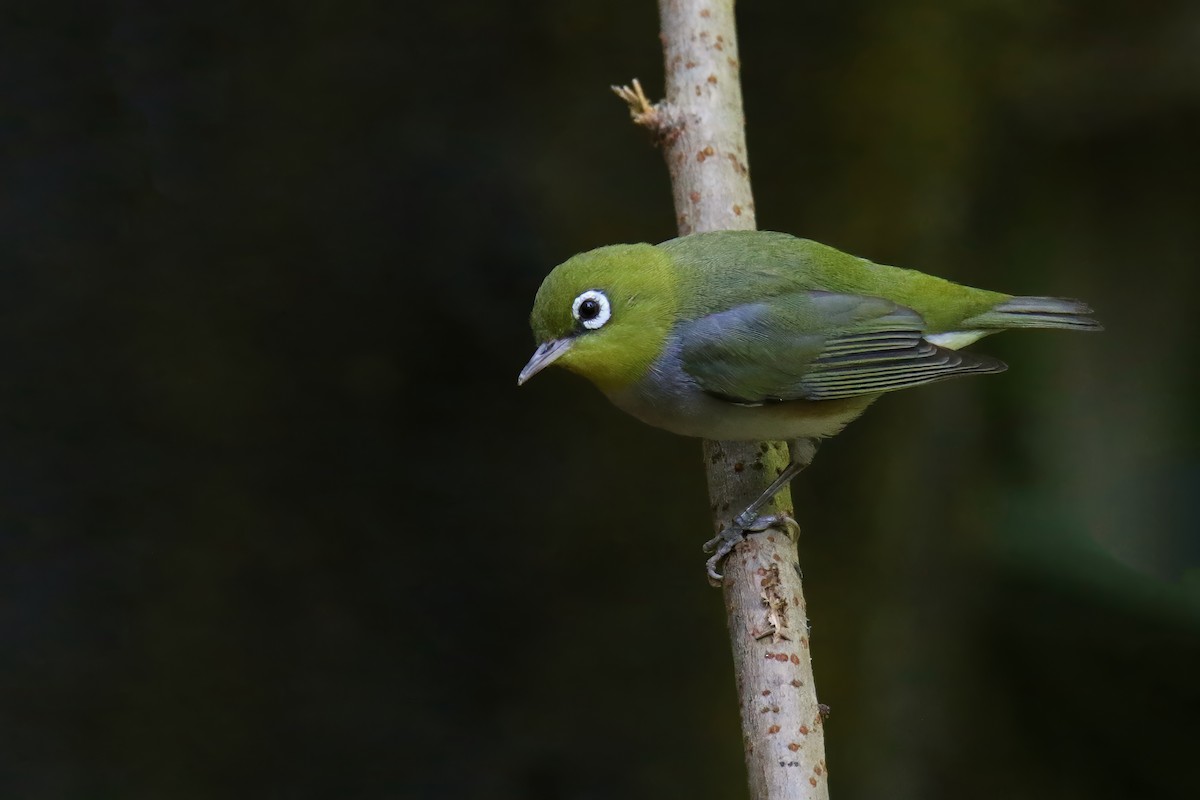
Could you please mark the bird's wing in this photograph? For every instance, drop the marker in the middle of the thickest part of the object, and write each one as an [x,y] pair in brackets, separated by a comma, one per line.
[817,346]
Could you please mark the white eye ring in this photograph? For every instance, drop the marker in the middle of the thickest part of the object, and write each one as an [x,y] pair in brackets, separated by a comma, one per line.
[596,319]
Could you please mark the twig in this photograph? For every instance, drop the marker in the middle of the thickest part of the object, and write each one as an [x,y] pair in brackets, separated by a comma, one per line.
[701,128]
[657,119]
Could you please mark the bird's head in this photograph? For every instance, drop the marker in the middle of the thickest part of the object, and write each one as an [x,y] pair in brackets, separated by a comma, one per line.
[605,314]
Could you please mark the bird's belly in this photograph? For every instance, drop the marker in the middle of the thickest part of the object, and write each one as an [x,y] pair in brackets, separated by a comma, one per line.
[683,408]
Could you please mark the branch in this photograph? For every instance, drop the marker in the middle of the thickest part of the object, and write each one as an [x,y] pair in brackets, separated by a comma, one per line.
[701,128]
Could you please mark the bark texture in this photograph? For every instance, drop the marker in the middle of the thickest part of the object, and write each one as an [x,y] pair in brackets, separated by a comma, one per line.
[701,129]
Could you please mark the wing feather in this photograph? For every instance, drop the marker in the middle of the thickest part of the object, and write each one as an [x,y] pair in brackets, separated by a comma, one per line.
[817,346]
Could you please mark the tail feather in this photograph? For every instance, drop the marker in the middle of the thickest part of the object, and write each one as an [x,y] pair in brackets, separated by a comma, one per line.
[1037,312]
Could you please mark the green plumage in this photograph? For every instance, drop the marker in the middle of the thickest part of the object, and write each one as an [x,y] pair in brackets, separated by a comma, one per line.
[754,334]
[725,268]
[817,345]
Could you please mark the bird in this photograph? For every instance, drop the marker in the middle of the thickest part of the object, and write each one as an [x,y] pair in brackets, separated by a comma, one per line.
[739,335]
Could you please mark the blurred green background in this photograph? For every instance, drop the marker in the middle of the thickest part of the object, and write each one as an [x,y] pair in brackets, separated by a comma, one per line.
[276,521]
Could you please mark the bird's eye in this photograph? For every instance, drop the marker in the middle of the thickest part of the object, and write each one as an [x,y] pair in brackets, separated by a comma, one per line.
[592,309]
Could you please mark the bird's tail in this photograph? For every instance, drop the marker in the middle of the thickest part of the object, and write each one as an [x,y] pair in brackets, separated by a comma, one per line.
[1036,312]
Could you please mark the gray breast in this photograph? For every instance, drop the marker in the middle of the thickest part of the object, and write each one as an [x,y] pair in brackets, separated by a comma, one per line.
[668,397]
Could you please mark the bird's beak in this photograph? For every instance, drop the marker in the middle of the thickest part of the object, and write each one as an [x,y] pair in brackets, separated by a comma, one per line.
[543,357]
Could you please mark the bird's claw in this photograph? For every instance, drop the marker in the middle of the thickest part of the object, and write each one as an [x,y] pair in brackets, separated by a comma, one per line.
[781,522]
[723,543]
[727,541]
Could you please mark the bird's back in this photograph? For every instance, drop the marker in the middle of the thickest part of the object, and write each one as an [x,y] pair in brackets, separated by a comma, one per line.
[723,269]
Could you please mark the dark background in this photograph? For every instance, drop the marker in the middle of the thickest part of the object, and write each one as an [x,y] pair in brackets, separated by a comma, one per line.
[276,521]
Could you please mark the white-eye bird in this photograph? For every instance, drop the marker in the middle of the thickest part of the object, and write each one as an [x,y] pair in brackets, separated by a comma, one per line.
[755,335]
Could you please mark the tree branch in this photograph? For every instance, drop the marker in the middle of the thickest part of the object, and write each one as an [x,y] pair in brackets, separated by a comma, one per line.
[701,128]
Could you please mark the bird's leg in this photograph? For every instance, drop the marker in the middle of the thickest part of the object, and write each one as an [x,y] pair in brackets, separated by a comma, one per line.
[749,521]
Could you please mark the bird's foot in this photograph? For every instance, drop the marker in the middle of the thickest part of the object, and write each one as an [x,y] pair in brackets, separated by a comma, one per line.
[743,525]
